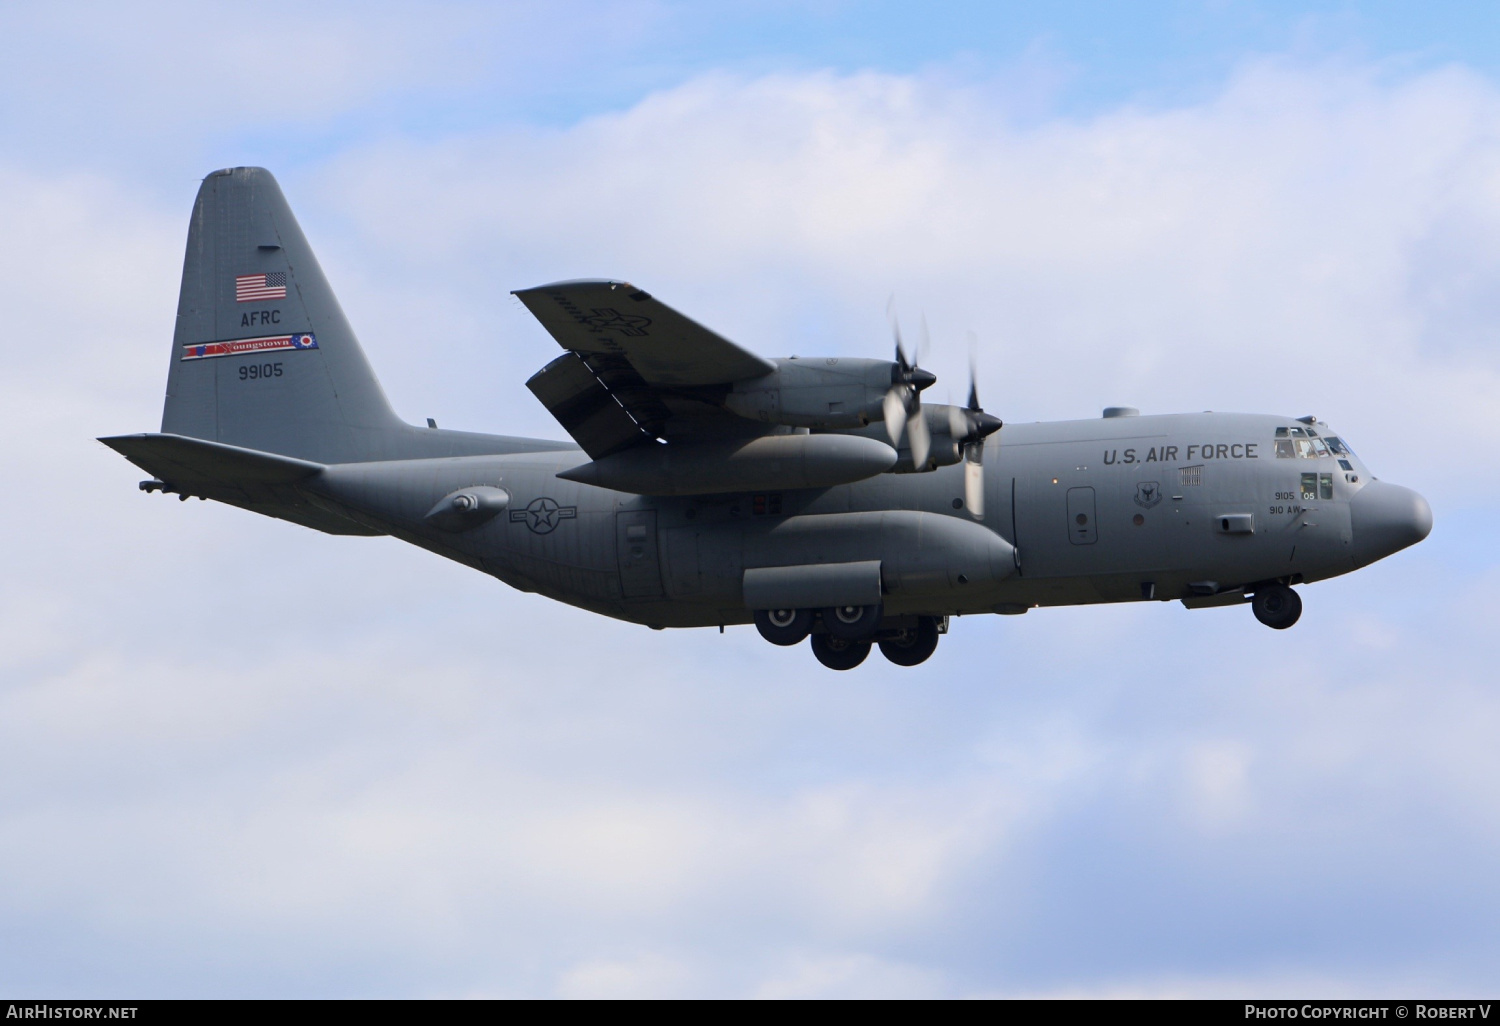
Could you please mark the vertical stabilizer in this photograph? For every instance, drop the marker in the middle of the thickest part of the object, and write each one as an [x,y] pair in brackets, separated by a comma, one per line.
[263,357]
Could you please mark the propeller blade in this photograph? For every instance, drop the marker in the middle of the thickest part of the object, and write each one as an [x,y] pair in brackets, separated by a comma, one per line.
[974,487]
[894,408]
[901,360]
[921,441]
[958,424]
[973,371]
[978,426]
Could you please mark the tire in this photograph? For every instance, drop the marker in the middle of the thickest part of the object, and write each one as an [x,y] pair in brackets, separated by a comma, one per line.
[852,623]
[784,626]
[913,645]
[839,653]
[1277,606]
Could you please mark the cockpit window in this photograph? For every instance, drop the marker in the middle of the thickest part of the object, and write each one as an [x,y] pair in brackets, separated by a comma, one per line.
[1337,445]
[1300,443]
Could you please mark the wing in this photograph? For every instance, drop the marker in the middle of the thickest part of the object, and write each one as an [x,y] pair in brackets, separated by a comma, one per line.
[614,318]
[635,369]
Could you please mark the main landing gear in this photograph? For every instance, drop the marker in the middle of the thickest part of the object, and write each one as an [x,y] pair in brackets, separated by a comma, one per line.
[784,626]
[849,632]
[1276,606]
[839,653]
[909,646]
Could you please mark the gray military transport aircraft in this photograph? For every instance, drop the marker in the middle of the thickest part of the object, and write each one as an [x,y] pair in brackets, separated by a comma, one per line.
[817,498]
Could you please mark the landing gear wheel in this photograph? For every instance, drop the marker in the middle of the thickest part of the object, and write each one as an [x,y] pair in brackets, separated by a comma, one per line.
[1277,606]
[784,626]
[852,623]
[911,645]
[839,653]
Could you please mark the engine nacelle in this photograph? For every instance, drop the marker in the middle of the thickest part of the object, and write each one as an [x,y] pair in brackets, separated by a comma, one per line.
[943,450]
[833,392]
[769,462]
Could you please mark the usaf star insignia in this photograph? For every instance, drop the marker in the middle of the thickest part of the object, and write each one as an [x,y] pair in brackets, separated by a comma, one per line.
[542,515]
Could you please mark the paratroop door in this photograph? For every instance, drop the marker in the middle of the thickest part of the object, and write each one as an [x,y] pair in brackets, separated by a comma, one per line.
[640,566]
[1081,527]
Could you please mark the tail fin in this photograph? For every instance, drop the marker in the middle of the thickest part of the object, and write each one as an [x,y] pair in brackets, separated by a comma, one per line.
[263,357]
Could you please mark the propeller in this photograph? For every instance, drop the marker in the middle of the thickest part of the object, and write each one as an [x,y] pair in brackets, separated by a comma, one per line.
[902,405]
[970,426]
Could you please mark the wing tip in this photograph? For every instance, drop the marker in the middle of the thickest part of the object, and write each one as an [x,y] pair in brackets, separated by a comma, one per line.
[120,442]
[574,283]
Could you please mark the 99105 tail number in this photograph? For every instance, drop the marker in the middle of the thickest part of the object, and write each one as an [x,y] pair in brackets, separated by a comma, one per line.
[259,371]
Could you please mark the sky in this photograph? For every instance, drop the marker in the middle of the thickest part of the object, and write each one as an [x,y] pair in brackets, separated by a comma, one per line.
[239,758]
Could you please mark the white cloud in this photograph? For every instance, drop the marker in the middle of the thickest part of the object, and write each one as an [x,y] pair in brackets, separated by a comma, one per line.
[1290,243]
[640,976]
[164,85]
[850,976]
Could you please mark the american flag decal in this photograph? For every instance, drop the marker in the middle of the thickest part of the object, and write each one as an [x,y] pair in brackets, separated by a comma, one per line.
[252,288]
[244,346]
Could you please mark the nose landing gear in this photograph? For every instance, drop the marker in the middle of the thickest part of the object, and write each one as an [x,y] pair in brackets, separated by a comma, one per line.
[1276,606]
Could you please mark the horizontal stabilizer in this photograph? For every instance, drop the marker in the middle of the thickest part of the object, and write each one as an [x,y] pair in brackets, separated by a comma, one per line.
[182,460]
[260,481]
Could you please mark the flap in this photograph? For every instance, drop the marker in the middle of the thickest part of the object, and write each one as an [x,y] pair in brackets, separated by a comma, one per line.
[662,346]
[584,407]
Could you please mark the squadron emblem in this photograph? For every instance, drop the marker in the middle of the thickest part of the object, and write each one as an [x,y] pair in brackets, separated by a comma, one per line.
[542,515]
[1147,494]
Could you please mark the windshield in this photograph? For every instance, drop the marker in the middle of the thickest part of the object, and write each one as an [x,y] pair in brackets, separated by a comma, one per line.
[1303,443]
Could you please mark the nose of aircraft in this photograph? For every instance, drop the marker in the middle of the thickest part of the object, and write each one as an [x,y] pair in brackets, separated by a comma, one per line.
[1387,518]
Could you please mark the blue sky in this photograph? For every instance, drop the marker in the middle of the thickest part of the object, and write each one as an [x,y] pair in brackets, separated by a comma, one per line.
[241,758]
[474,65]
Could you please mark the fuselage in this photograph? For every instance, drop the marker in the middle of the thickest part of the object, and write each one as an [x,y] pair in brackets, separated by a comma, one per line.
[1197,507]
[820,499]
